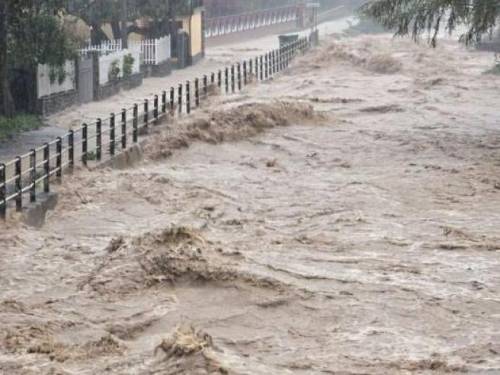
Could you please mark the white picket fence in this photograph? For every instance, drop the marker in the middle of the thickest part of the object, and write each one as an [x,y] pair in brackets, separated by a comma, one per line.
[104,48]
[47,87]
[153,51]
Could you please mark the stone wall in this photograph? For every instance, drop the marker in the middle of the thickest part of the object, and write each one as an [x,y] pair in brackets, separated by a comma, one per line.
[162,70]
[51,104]
[112,88]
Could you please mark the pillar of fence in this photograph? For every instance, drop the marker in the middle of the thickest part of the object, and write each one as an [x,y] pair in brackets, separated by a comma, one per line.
[188,97]
[196,92]
[135,123]
[226,76]
[164,102]
[98,135]
[124,128]
[219,79]
[3,192]
[71,150]
[84,144]
[275,61]
[146,113]
[59,158]
[238,75]
[112,135]
[250,67]
[244,73]
[18,183]
[172,101]
[205,85]
[232,79]
[33,176]
[266,66]
[46,168]
[156,109]
[261,67]
[179,98]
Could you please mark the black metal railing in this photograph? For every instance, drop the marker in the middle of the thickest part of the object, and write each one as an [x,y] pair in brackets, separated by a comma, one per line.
[28,175]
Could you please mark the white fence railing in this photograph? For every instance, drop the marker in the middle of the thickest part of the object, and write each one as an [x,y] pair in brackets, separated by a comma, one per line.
[104,48]
[116,59]
[52,80]
[248,21]
[155,51]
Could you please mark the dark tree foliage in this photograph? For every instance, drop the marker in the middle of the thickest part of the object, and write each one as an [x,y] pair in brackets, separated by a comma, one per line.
[31,33]
[123,15]
[415,17]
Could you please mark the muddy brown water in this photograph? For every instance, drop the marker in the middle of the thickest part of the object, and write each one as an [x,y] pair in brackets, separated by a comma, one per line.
[362,239]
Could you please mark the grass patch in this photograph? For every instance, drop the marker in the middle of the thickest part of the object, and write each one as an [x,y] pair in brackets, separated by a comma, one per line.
[18,124]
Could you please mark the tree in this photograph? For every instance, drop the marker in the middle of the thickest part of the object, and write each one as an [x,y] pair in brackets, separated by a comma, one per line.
[6,103]
[31,33]
[415,17]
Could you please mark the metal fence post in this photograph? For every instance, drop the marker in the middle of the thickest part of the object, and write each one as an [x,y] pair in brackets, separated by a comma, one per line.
[124,128]
[164,102]
[188,97]
[179,98]
[3,189]
[155,109]
[84,144]
[46,168]
[33,176]
[261,67]
[98,137]
[232,79]
[71,150]
[266,66]
[250,67]
[135,123]
[172,101]
[238,70]
[275,61]
[244,73]
[226,73]
[18,182]
[59,158]
[212,78]
[112,134]
[219,78]
[205,85]
[146,113]
[197,92]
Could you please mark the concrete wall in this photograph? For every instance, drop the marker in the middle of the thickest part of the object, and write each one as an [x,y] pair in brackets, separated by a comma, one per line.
[194,27]
[196,33]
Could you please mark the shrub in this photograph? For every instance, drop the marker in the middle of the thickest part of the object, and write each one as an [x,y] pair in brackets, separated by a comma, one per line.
[128,64]
[17,124]
[114,71]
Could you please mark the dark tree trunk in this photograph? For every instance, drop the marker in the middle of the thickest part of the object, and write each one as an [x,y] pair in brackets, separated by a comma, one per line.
[6,103]
[116,29]
[124,22]
[97,36]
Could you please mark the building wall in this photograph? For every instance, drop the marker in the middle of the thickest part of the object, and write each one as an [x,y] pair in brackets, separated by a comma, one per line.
[196,33]
[194,28]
